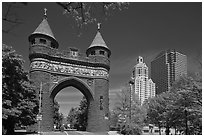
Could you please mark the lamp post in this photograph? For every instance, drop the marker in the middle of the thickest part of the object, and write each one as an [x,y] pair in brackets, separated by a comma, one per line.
[130,83]
[186,121]
[39,116]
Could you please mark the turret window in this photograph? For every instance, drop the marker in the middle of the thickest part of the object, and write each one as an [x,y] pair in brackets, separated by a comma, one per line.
[33,41]
[101,52]
[74,53]
[52,44]
[93,53]
[43,41]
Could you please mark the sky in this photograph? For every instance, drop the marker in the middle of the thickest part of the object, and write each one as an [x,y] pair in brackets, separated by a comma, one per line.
[144,29]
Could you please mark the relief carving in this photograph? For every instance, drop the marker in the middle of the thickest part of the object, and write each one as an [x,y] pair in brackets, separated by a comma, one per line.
[69,69]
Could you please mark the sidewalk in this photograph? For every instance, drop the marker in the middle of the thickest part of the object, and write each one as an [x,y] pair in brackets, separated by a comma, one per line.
[98,133]
[113,133]
[53,133]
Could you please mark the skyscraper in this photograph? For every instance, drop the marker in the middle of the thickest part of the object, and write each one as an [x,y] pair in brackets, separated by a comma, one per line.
[142,86]
[167,67]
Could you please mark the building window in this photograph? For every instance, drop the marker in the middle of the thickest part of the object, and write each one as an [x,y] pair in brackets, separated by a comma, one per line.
[43,41]
[74,53]
[33,41]
[52,44]
[101,52]
[101,102]
[139,71]
[93,53]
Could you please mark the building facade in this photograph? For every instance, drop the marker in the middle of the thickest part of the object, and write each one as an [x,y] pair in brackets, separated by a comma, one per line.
[142,86]
[167,67]
[52,70]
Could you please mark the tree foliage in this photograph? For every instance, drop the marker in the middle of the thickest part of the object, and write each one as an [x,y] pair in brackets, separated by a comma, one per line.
[58,117]
[19,103]
[72,117]
[89,12]
[82,13]
[180,108]
[129,113]
[77,117]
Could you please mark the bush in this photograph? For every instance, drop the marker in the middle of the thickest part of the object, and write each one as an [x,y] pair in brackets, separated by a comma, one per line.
[131,129]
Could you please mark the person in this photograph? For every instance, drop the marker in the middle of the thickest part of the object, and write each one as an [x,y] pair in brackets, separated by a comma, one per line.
[123,130]
[62,128]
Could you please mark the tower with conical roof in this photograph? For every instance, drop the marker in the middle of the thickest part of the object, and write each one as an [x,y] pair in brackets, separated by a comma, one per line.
[98,47]
[99,53]
[43,34]
[41,43]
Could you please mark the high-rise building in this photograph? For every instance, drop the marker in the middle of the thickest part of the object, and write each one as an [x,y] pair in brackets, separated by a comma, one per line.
[142,86]
[167,67]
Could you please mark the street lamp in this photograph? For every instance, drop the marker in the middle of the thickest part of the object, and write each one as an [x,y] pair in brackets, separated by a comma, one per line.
[130,83]
[186,119]
[39,116]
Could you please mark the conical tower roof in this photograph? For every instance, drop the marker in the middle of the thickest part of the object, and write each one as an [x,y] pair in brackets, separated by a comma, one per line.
[44,28]
[98,41]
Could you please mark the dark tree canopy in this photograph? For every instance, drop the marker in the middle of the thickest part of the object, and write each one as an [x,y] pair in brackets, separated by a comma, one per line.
[19,103]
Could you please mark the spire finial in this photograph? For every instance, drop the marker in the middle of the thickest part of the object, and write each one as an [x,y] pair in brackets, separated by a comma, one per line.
[99,26]
[45,12]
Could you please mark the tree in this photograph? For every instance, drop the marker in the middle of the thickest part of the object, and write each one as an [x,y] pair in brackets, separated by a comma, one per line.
[113,120]
[58,117]
[180,108]
[89,12]
[154,112]
[190,103]
[19,103]
[82,116]
[83,13]
[72,117]
[10,19]
[129,112]
[77,117]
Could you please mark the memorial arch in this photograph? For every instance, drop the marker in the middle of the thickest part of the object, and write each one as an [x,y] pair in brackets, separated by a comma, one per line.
[52,70]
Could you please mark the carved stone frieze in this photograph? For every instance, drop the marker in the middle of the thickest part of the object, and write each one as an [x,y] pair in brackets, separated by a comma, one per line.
[65,68]
[54,78]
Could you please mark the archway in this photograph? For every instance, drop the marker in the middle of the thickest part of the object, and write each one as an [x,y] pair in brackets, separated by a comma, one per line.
[75,83]
[52,70]
[67,102]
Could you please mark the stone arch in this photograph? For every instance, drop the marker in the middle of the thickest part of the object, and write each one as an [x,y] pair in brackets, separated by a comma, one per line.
[75,82]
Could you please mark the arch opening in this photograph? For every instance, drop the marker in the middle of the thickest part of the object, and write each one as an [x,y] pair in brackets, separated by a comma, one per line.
[73,82]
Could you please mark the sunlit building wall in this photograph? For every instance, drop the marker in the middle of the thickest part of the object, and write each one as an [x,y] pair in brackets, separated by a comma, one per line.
[143,87]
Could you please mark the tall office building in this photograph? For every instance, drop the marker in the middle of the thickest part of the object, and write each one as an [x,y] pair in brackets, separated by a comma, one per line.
[142,86]
[167,67]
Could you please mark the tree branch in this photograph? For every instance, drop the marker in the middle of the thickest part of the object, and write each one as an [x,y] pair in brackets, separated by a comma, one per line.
[65,6]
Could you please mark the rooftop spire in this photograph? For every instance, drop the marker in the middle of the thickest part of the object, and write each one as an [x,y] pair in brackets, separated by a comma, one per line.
[98,40]
[99,26]
[45,13]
